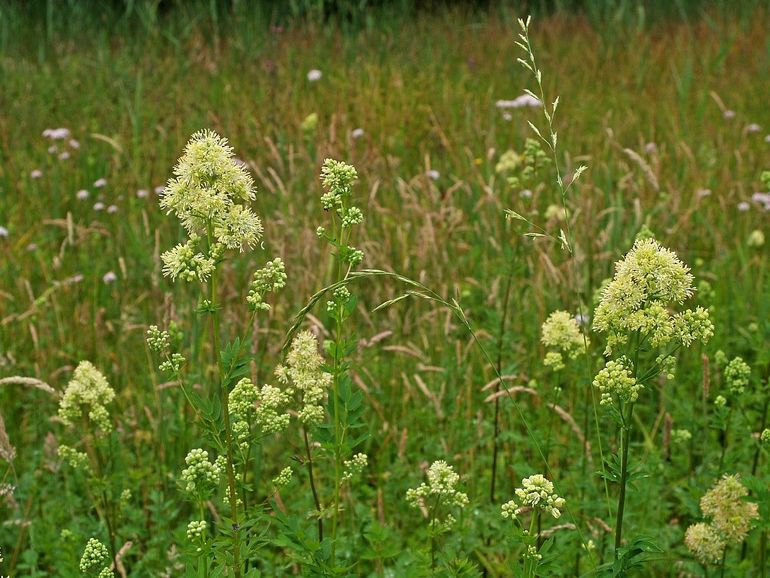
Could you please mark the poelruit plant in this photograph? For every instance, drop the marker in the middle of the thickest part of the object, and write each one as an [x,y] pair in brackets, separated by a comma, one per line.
[643,336]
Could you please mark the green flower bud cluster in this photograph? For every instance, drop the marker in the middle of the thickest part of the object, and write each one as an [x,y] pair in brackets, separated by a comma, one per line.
[161,342]
[196,530]
[615,381]
[509,510]
[95,557]
[337,179]
[268,279]
[283,478]
[737,374]
[201,476]
[681,436]
[75,459]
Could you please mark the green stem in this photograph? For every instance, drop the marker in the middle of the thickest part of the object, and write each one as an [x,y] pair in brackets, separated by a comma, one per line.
[224,398]
[625,440]
[312,485]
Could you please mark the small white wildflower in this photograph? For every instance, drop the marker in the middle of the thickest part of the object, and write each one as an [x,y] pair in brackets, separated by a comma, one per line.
[432,174]
[82,194]
[142,193]
[100,183]
[524,100]
[357,133]
[314,75]
[99,206]
[109,277]
[753,127]
[743,206]
[36,174]
[74,144]
[701,193]
[3,231]
[63,156]
[112,209]
[56,133]
[525,194]
[650,148]
[728,114]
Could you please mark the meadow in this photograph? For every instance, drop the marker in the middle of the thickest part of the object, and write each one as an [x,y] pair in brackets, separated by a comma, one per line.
[462,347]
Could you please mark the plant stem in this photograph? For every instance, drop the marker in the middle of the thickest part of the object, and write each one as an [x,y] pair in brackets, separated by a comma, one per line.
[312,485]
[224,397]
[625,440]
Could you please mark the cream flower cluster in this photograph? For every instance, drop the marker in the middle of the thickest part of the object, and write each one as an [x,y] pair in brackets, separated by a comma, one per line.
[87,391]
[705,543]
[209,193]
[731,519]
[647,281]
[304,373]
[561,333]
[264,406]
[441,489]
[537,492]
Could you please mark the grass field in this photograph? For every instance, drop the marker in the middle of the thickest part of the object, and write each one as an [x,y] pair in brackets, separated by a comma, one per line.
[670,115]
